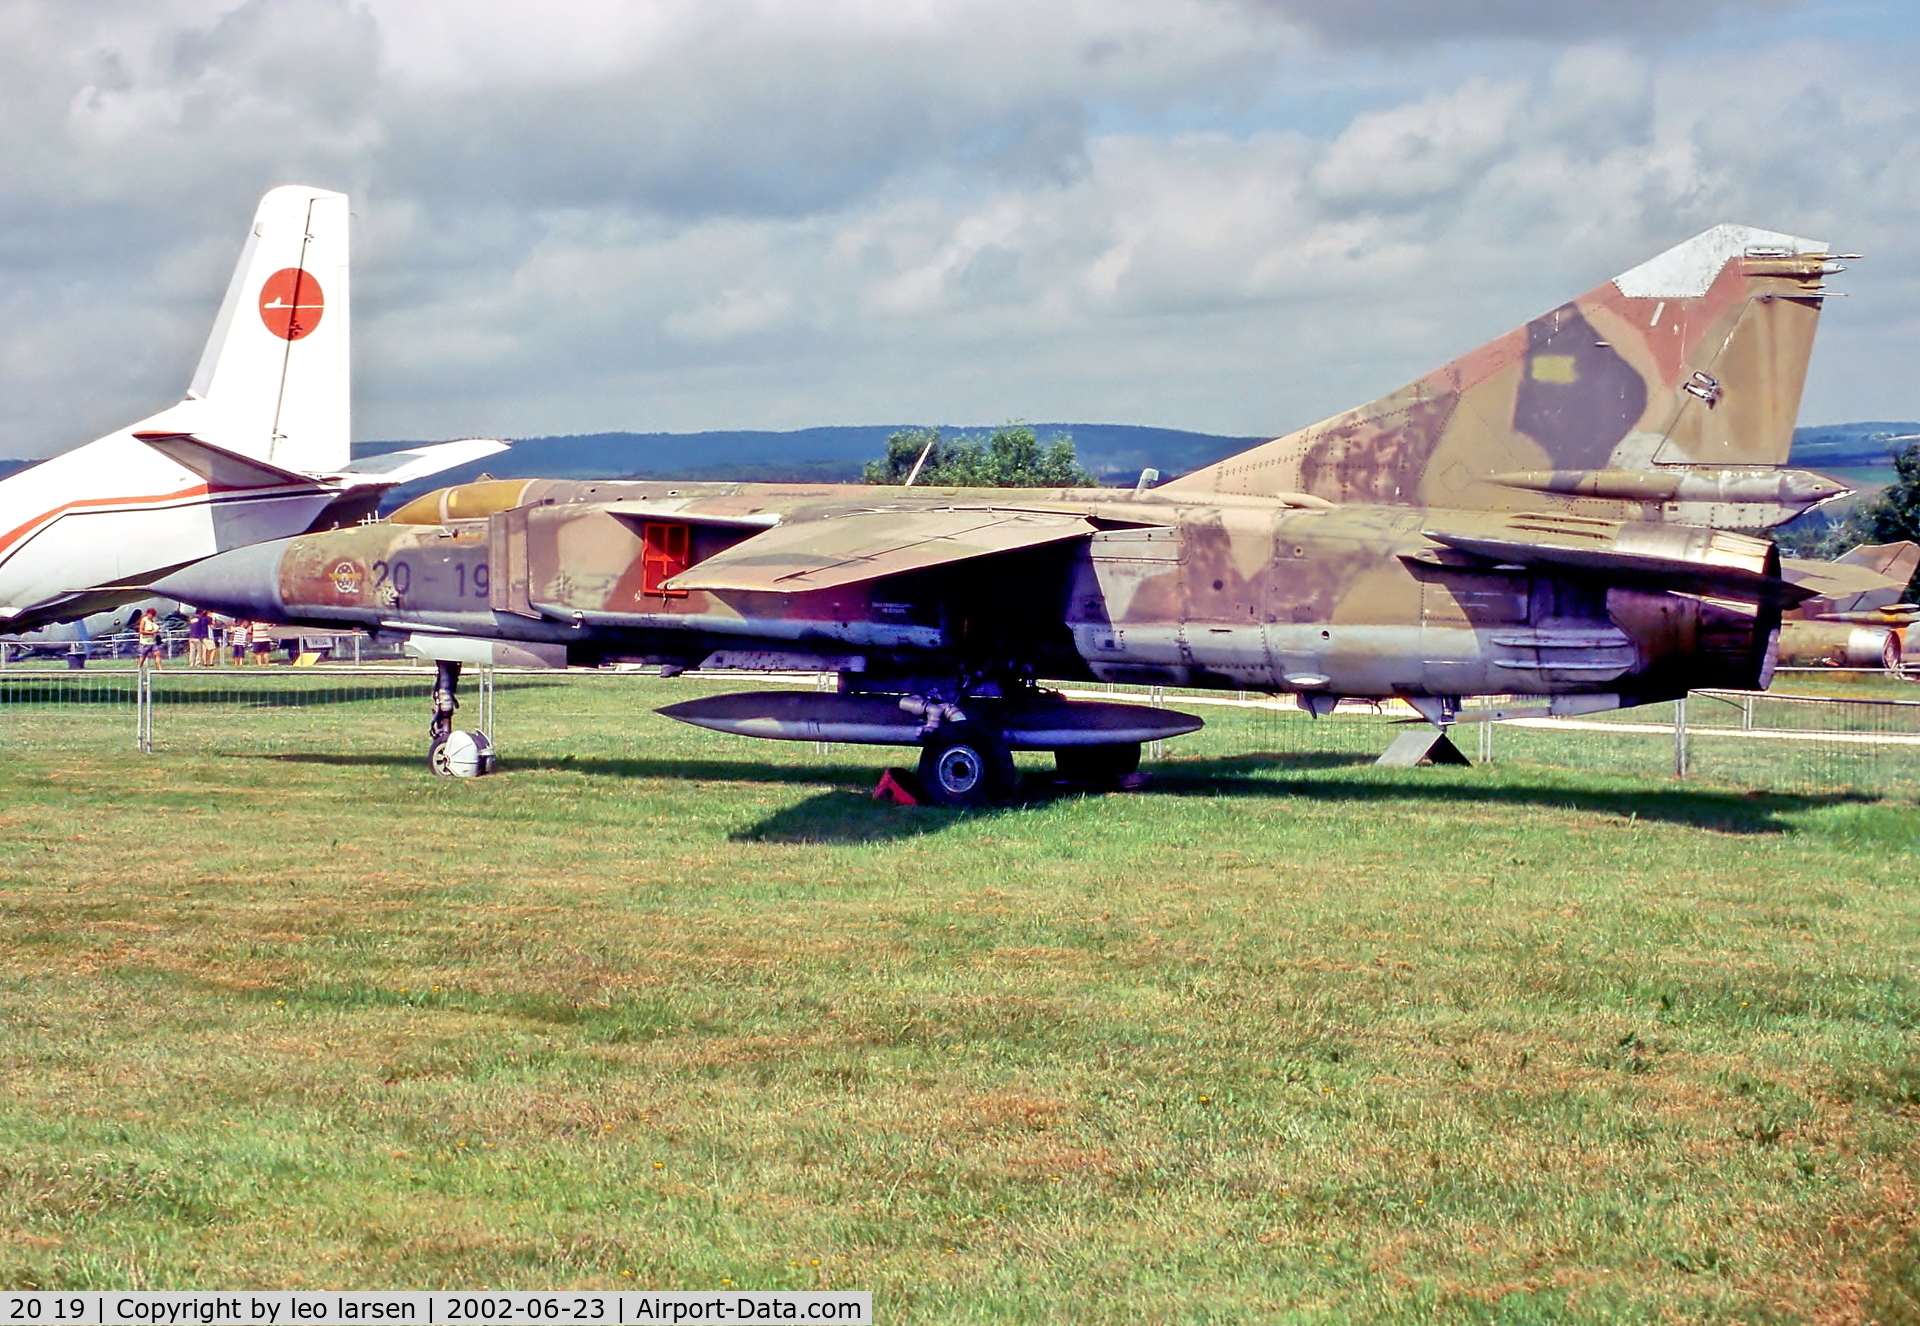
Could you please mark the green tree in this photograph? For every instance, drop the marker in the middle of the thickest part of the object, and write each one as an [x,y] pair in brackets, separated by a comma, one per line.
[1888,516]
[1008,457]
[1894,514]
[1816,536]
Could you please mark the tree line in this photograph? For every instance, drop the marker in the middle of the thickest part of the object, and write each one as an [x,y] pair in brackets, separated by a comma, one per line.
[1008,457]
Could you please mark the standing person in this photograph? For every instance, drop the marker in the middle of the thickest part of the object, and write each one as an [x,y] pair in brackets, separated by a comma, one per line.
[197,628]
[262,643]
[238,639]
[148,630]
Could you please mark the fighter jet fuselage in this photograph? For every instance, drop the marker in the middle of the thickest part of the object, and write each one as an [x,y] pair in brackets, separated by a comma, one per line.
[1260,594]
[1551,515]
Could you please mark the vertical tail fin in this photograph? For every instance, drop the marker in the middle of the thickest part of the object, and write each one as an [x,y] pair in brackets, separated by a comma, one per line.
[1669,392]
[274,382]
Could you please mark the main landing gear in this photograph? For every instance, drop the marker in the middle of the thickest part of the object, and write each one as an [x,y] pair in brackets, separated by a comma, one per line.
[970,728]
[970,764]
[452,754]
[965,764]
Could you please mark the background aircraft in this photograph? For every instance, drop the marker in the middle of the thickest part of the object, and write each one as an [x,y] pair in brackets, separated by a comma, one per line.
[259,449]
[1856,618]
[1548,515]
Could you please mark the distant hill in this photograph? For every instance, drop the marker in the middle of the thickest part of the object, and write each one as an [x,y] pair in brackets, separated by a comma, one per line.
[1115,452]
[1862,454]
[1857,452]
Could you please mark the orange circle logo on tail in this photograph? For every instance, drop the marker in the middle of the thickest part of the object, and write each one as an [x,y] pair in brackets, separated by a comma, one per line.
[291,303]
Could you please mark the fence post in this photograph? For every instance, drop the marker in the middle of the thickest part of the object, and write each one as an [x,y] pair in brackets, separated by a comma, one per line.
[143,711]
[486,704]
[1157,699]
[1680,737]
[1486,742]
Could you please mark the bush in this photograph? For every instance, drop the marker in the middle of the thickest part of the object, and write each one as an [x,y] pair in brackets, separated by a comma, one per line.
[1009,457]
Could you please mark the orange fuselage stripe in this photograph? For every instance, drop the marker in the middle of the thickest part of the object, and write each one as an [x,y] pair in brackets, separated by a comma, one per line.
[12,536]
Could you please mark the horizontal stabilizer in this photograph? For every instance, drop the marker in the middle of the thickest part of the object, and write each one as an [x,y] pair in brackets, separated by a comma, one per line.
[844,550]
[1871,579]
[397,467]
[220,467]
[1840,580]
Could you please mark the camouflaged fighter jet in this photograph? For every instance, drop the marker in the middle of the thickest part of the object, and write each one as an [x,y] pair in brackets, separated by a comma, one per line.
[1549,515]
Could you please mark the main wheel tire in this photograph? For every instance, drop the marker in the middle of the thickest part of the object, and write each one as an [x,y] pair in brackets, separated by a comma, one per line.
[1097,766]
[965,766]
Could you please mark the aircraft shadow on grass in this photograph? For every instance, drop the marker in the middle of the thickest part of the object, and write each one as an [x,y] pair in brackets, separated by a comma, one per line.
[689,770]
[854,817]
[847,814]
[1722,811]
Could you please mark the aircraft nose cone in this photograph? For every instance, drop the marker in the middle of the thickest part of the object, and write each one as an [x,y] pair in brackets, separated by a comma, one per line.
[242,583]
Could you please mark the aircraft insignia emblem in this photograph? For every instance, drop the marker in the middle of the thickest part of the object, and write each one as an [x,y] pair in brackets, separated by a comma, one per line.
[346,579]
[291,303]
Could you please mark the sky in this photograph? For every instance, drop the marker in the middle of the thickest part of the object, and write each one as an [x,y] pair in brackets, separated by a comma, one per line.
[1233,216]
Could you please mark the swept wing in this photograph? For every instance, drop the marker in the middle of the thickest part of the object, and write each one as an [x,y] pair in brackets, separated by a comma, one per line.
[863,545]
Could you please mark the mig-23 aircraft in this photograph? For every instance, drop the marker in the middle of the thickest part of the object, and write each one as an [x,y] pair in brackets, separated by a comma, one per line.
[1550,515]
[258,449]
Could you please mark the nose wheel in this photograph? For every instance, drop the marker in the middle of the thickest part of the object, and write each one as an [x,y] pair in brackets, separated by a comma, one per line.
[461,755]
[452,754]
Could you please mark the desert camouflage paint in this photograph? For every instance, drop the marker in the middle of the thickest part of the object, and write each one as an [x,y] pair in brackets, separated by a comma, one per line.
[1551,514]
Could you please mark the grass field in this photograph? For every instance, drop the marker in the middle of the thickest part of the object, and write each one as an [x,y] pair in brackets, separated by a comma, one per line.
[1288,1037]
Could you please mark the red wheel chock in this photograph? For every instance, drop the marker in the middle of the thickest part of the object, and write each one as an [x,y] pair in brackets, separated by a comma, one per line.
[896,785]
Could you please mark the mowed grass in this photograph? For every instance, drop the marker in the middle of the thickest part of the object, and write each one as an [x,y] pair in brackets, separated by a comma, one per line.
[1288,1037]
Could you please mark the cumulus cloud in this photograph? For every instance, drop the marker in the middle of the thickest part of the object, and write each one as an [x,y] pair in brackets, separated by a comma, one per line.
[746,213]
[1401,156]
[1400,22]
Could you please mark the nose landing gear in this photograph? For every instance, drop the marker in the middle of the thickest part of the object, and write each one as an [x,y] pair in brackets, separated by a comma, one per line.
[452,754]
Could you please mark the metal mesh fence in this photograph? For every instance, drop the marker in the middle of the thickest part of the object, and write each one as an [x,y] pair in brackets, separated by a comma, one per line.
[1768,740]
[210,710]
[1764,741]
[1777,741]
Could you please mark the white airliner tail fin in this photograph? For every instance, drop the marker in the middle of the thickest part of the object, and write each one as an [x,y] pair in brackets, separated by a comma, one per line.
[274,382]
